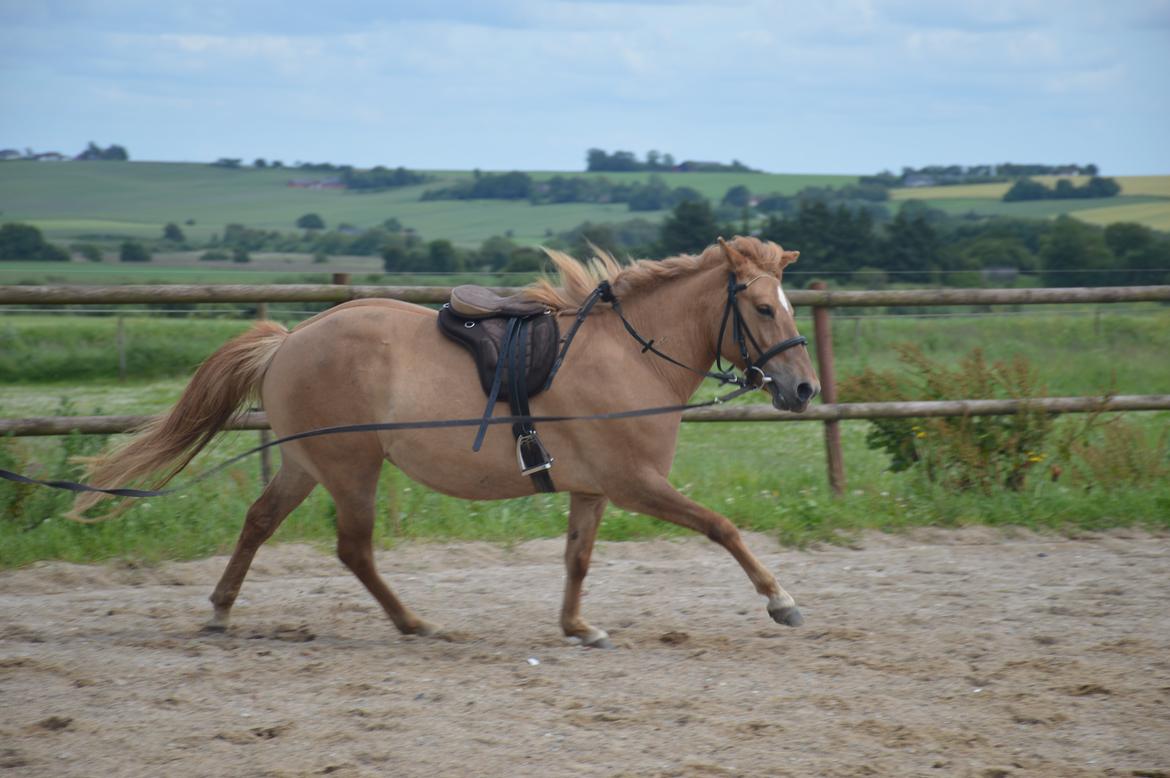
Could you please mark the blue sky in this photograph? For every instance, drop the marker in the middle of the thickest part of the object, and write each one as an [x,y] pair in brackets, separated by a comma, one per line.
[840,86]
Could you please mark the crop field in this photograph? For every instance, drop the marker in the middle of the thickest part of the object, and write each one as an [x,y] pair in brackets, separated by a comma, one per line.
[1143,199]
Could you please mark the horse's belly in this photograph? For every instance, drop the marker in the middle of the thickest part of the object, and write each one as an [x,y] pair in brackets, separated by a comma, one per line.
[375,364]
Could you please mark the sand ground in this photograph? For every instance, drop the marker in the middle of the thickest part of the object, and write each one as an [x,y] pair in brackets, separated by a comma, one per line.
[968,653]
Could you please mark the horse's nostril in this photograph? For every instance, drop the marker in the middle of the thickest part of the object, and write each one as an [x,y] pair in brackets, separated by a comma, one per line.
[804,391]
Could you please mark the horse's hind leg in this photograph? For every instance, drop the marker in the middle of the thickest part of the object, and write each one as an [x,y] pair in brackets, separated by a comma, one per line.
[355,532]
[585,512]
[656,497]
[285,492]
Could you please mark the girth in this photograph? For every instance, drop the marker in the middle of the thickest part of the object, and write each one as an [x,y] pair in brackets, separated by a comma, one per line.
[513,344]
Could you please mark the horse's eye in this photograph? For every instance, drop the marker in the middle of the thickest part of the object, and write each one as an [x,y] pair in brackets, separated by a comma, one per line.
[765,310]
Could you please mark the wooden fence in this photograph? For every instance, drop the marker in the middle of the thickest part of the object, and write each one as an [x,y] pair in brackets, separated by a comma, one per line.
[817,296]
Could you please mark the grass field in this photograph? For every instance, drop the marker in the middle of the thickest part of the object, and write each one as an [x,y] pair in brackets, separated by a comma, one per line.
[735,468]
[70,201]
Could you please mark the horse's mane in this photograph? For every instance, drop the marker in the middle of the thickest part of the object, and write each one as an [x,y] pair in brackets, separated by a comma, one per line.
[575,280]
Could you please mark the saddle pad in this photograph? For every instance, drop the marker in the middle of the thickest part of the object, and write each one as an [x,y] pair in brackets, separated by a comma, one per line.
[482,339]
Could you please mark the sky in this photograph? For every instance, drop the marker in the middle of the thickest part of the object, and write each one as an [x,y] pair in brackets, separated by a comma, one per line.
[836,86]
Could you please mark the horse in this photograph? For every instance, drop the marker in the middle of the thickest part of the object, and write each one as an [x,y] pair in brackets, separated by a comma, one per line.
[378,360]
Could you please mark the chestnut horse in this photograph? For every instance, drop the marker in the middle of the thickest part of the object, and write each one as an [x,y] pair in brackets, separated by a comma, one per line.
[378,360]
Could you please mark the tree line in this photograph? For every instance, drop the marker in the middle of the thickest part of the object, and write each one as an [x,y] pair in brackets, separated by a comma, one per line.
[601,161]
[1064,189]
[953,175]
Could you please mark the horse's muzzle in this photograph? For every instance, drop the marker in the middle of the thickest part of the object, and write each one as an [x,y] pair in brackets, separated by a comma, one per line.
[792,394]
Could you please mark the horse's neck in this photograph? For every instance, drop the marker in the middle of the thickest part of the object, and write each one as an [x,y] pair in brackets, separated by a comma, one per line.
[681,316]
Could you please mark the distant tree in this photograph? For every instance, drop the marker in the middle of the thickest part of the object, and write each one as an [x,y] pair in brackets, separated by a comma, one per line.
[1025,189]
[738,195]
[1141,254]
[311,221]
[441,257]
[260,162]
[526,260]
[89,251]
[173,233]
[394,255]
[392,224]
[495,252]
[277,163]
[25,242]
[912,247]
[228,162]
[241,255]
[1125,238]
[1072,245]
[95,152]
[689,228]
[133,251]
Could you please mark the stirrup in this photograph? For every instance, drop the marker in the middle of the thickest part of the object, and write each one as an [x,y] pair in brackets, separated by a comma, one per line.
[538,458]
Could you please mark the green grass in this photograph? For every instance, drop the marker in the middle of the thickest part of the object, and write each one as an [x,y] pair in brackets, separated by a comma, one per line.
[767,477]
[1078,349]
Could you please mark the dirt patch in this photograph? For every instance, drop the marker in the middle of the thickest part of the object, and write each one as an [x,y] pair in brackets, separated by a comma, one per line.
[936,653]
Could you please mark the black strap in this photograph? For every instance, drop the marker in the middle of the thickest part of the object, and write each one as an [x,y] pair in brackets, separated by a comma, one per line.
[494,393]
[523,431]
[382,426]
[602,292]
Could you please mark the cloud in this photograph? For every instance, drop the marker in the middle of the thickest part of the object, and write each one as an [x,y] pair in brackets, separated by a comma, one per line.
[840,85]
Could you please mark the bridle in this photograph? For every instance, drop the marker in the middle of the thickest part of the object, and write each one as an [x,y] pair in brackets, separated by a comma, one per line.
[753,373]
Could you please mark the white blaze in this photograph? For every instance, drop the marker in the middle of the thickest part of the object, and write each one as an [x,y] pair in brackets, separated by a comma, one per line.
[783,299]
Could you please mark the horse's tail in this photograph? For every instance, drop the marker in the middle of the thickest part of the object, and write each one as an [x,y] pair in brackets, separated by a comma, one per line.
[167,443]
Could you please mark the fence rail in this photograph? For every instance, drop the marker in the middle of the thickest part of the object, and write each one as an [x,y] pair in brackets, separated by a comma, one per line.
[257,420]
[830,413]
[338,293]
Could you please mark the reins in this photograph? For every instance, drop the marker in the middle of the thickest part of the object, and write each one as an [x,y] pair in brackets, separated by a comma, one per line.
[603,293]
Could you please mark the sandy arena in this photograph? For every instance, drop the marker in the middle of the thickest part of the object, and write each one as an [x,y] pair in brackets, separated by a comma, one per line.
[933,653]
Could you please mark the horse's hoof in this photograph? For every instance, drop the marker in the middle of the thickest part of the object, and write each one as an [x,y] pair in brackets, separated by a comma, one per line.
[424,629]
[788,615]
[593,638]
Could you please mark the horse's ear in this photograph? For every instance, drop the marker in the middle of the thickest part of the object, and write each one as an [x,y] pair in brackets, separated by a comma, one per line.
[734,258]
[788,257]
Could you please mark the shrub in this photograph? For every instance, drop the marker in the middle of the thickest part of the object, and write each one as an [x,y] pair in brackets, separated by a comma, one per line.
[90,251]
[133,251]
[967,452]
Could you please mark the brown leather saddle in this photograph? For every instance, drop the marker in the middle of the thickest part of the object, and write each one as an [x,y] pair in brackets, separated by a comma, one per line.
[514,344]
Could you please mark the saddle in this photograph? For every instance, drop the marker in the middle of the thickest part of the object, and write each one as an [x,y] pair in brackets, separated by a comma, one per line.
[513,342]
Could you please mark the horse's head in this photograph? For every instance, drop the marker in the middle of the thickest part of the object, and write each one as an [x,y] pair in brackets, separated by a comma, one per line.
[766,321]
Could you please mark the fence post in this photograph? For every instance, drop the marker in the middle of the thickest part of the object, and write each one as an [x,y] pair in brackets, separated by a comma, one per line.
[265,435]
[121,341]
[823,338]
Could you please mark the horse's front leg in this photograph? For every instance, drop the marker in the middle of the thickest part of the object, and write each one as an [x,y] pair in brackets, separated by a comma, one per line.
[656,497]
[585,512]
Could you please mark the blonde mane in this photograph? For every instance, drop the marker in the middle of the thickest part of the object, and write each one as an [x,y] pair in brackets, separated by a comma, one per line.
[574,280]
